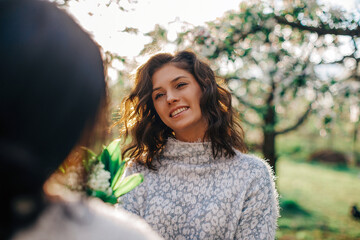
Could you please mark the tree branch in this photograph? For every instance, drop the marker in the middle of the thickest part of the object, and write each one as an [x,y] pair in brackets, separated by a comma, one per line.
[319,30]
[356,49]
[243,120]
[247,104]
[299,122]
[240,99]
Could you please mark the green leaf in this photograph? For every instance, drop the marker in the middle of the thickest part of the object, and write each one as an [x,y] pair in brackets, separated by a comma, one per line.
[246,52]
[90,158]
[113,146]
[89,151]
[99,194]
[111,199]
[105,159]
[128,184]
[328,119]
[103,196]
[62,168]
[115,157]
[118,175]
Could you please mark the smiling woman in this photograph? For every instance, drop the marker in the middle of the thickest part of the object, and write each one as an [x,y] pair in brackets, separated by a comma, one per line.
[168,83]
[188,143]
[176,97]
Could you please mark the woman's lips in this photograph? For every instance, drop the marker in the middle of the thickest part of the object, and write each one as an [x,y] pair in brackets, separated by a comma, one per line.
[178,111]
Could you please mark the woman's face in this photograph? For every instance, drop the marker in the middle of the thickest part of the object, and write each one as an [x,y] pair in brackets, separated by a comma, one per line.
[176,97]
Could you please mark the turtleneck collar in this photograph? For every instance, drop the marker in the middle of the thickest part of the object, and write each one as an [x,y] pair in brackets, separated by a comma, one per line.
[187,152]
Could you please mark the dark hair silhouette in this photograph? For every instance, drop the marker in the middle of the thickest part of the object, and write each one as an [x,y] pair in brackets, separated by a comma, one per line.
[52,88]
[149,133]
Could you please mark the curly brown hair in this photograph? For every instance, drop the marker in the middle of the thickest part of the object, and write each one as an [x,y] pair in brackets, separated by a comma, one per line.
[149,134]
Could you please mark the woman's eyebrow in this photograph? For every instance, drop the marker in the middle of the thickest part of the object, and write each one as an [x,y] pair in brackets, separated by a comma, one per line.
[174,80]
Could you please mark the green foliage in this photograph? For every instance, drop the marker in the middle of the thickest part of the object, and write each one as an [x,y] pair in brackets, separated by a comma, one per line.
[327,120]
[270,58]
[111,160]
[159,39]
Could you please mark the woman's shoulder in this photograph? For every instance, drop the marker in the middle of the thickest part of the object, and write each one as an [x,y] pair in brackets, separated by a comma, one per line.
[252,163]
[134,167]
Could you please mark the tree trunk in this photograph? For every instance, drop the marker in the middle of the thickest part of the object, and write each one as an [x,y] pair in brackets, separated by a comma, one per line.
[354,141]
[268,149]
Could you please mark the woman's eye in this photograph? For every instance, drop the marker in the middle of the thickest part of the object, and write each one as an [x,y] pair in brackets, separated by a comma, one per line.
[181,85]
[158,95]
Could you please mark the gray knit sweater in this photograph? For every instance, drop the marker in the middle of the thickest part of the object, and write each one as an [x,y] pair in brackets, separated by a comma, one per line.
[194,196]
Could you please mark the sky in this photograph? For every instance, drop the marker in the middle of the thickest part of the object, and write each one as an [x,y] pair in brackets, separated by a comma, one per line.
[106,23]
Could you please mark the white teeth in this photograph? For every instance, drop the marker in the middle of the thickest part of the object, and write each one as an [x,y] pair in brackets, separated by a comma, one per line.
[177,111]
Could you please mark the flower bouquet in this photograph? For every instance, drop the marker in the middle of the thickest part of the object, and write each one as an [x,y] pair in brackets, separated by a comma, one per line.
[104,176]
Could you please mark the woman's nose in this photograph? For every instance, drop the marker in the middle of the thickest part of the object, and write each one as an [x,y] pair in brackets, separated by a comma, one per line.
[171,98]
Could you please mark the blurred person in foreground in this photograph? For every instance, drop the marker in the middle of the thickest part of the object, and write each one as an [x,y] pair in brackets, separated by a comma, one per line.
[52,98]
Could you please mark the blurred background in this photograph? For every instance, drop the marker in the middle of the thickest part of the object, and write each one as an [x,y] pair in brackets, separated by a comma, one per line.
[294,70]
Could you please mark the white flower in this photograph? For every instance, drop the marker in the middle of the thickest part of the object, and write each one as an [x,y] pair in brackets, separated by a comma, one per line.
[74,181]
[99,178]
[72,178]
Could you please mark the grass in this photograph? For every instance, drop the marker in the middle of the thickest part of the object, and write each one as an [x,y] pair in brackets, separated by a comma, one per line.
[316,201]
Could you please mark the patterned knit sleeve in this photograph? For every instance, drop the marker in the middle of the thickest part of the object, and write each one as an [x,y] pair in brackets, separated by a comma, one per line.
[260,209]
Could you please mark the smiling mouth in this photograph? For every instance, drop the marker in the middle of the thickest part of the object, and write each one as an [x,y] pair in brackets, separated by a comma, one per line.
[178,111]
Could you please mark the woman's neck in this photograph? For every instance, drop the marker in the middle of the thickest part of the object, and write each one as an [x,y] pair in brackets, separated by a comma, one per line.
[194,134]
[189,139]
